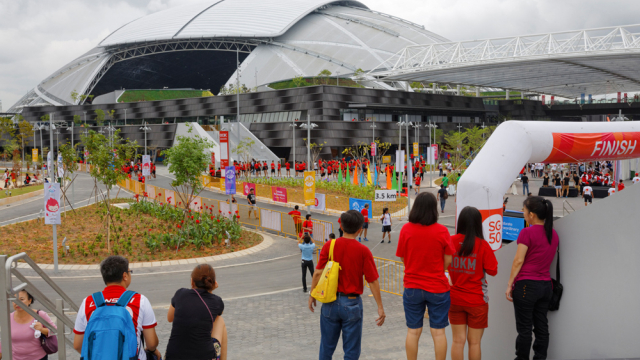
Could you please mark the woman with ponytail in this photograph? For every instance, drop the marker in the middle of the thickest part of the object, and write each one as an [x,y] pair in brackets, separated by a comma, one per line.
[198,330]
[529,286]
[472,261]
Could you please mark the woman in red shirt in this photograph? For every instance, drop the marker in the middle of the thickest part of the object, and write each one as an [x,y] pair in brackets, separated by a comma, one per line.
[425,249]
[472,260]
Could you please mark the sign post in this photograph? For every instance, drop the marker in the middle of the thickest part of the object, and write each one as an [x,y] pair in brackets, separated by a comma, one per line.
[146,165]
[34,155]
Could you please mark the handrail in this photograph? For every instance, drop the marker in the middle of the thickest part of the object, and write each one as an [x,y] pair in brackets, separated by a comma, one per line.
[8,295]
[564,207]
[37,269]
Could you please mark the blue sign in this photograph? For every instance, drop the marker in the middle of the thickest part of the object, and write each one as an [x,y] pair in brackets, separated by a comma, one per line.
[230,180]
[511,227]
[582,98]
[358,205]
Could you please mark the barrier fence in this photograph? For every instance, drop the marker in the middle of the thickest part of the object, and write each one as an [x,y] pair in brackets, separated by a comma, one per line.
[340,203]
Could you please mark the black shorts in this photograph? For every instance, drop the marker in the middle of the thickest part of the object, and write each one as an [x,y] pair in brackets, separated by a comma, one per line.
[273,170]
[386,228]
[588,198]
[264,168]
[365,225]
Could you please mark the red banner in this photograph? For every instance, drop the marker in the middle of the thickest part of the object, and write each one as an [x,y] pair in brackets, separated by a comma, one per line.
[248,186]
[224,149]
[569,148]
[279,194]
[213,158]
[619,94]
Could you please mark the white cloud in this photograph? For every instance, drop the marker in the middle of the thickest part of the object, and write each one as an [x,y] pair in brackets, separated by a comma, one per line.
[37,37]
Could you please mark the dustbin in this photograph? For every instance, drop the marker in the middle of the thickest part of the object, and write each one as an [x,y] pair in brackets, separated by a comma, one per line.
[632,174]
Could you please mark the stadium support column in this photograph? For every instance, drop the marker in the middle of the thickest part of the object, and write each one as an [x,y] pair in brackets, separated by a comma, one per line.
[477,91]
[507,93]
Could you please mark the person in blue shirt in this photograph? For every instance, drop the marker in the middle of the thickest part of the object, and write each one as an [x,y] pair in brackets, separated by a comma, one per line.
[307,247]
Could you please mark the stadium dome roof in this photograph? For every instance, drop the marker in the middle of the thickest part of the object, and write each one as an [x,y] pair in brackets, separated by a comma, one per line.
[195,46]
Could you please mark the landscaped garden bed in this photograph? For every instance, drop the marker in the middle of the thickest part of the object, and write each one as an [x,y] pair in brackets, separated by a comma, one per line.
[145,232]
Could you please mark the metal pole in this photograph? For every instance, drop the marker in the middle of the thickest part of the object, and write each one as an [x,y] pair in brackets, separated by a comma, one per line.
[85,118]
[41,148]
[53,180]
[293,148]
[308,152]
[125,117]
[237,96]
[62,346]
[431,159]
[5,310]
[73,185]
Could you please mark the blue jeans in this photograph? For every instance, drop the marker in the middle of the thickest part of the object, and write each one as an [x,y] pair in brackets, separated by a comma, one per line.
[442,202]
[343,315]
[525,189]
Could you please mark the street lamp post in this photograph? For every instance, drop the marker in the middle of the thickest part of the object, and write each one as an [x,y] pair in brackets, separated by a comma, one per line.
[145,128]
[406,124]
[432,157]
[293,145]
[309,125]
[53,179]
[125,117]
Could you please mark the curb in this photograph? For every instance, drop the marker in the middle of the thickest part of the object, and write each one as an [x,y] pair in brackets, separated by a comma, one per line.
[267,241]
[15,199]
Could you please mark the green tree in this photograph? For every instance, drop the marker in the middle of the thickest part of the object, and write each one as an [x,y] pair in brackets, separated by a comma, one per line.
[111,115]
[455,140]
[188,159]
[99,117]
[69,163]
[108,155]
[323,77]
[79,98]
[77,120]
[6,128]
[475,140]
[359,73]
[315,150]
[25,134]
[299,81]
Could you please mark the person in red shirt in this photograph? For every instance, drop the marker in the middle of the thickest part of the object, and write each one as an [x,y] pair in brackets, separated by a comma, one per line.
[620,186]
[307,226]
[417,181]
[345,314]
[117,277]
[287,166]
[153,170]
[279,167]
[273,168]
[425,249]
[365,226]
[473,259]
[297,219]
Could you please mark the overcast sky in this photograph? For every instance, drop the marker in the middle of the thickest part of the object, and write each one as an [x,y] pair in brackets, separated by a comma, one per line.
[37,37]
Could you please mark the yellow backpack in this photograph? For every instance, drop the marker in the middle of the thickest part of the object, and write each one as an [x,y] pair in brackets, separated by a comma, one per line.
[327,287]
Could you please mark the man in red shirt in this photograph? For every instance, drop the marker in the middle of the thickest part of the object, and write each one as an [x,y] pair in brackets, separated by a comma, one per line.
[297,219]
[365,226]
[345,313]
[279,167]
[273,168]
[287,167]
[117,276]
[620,186]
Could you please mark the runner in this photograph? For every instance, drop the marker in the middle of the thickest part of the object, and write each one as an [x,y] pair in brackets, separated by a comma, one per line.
[636,179]
[297,219]
[587,192]
[365,226]
[620,186]
[279,169]
[417,183]
[612,190]
[386,224]
[307,226]
[273,168]
[287,167]
[251,199]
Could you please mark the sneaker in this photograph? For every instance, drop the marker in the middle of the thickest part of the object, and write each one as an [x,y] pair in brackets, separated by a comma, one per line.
[382,242]
[365,239]
[389,242]
[304,291]
[359,239]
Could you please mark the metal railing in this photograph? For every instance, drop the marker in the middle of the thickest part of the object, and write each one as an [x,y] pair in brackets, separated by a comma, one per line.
[564,208]
[10,295]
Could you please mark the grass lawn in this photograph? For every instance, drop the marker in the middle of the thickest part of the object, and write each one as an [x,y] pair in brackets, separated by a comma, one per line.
[85,231]
[21,191]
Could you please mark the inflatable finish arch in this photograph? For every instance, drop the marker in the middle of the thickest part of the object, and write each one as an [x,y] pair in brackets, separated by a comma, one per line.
[515,143]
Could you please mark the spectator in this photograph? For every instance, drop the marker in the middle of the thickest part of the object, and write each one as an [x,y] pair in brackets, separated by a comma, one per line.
[425,249]
[198,331]
[473,259]
[340,226]
[620,186]
[442,197]
[565,185]
[365,226]
[345,313]
[525,184]
[545,180]
[297,218]
[117,276]
[529,286]
[307,247]
[25,341]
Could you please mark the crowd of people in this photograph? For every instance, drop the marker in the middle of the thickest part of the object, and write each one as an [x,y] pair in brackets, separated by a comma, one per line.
[133,169]
[13,179]
[444,275]
[198,330]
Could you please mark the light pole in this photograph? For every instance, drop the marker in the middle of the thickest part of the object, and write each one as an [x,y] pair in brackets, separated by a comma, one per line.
[432,156]
[125,117]
[293,145]
[57,140]
[338,78]
[85,118]
[73,190]
[373,141]
[145,128]
[53,179]
[309,125]
[406,124]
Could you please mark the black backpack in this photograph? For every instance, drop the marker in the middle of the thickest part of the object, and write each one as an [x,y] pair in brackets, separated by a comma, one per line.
[554,304]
